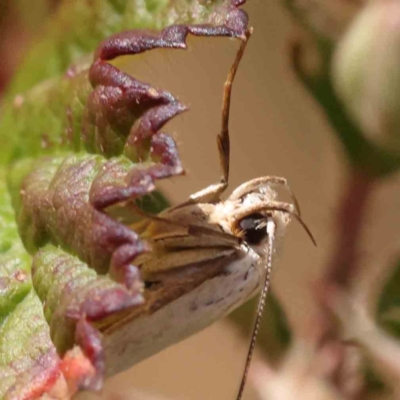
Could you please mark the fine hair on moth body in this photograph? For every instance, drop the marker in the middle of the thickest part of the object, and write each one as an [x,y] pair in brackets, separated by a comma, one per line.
[251,218]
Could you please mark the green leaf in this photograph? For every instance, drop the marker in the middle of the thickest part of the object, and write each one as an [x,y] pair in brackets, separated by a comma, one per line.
[80,146]
[274,335]
[318,44]
[388,310]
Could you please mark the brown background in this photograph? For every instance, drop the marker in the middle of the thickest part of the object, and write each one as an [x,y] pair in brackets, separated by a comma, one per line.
[276,129]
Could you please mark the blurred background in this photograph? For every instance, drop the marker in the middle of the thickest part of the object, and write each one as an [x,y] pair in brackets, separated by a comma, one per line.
[276,129]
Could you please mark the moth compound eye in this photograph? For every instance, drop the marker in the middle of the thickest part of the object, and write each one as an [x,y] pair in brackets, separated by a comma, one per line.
[254,228]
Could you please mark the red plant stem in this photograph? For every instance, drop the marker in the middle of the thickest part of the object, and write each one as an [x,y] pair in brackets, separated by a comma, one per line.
[349,220]
[342,267]
[343,264]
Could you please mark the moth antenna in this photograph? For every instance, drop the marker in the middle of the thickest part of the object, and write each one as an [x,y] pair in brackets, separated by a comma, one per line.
[295,201]
[299,220]
[223,137]
[271,228]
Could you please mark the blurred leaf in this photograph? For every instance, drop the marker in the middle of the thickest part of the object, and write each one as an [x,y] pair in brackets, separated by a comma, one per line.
[325,20]
[388,311]
[32,18]
[316,44]
[275,334]
[374,382]
[365,74]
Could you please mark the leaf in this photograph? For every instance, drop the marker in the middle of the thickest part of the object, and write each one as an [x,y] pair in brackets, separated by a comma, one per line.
[28,361]
[274,336]
[311,55]
[78,141]
[80,25]
[388,310]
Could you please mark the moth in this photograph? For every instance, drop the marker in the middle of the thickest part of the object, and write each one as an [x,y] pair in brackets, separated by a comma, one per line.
[208,256]
[118,291]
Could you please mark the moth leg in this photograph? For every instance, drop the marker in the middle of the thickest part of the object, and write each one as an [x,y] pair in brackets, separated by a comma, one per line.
[213,192]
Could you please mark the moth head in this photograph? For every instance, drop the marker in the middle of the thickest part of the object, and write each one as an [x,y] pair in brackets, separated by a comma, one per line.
[246,212]
[251,210]
[243,216]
